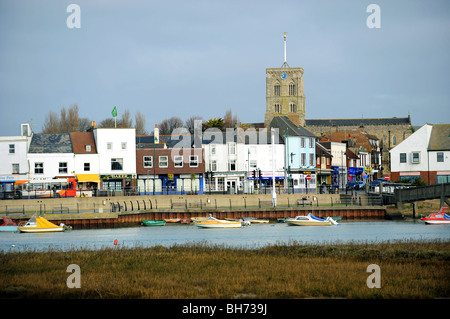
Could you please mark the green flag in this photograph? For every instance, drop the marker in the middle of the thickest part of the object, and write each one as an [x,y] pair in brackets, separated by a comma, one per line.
[114,112]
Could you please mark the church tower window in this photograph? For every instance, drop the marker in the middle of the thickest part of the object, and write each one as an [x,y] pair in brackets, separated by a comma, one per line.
[277,108]
[276,89]
[292,89]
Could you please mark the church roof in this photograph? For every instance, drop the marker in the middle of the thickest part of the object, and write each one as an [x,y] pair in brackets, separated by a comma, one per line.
[358,122]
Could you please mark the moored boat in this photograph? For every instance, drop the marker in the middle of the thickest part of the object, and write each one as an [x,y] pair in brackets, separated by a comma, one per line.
[40,225]
[7,224]
[437,218]
[255,220]
[310,220]
[212,222]
[172,220]
[146,222]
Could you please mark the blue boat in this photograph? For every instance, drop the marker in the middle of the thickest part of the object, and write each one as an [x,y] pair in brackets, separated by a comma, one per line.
[7,224]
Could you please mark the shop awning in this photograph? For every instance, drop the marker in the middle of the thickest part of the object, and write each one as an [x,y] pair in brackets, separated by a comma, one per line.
[88,178]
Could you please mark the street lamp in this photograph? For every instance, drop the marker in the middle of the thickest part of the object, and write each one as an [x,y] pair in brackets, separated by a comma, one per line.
[274,195]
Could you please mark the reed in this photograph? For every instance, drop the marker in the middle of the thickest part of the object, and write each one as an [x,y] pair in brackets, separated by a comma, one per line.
[198,270]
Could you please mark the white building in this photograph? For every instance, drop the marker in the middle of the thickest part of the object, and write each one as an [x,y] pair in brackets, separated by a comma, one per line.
[425,154]
[86,161]
[233,157]
[116,148]
[13,155]
[50,156]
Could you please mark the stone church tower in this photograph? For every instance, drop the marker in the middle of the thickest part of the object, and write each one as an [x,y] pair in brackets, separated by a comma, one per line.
[284,93]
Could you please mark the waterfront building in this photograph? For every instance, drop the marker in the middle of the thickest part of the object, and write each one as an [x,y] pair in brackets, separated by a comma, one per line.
[116,148]
[86,162]
[425,155]
[339,172]
[240,161]
[168,167]
[300,155]
[50,156]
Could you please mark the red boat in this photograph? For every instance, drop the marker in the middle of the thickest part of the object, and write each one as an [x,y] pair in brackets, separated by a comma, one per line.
[437,218]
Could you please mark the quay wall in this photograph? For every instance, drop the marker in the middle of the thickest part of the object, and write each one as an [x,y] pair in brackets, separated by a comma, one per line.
[188,206]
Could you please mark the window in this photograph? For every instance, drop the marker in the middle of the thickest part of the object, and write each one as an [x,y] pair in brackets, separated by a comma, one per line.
[87,167]
[253,164]
[178,161]
[15,169]
[116,164]
[277,108]
[193,161]
[109,146]
[311,142]
[292,108]
[88,148]
[232,165]
[231,149]
[303,159]
[394,140]
[402,157]
[292,89]
[303,142]
[12,148]
[311,159]
[440,157]
[276,89]
[148,161]
[124,145]
[163,161]
[213,150]
[62,168]
[213,165]
[39,168]
[415,157]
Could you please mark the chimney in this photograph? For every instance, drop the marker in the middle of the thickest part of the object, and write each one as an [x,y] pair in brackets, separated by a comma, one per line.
[156,134]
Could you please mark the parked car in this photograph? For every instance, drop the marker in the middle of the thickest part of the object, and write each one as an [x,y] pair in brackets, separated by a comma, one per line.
[360,185]
[351,185]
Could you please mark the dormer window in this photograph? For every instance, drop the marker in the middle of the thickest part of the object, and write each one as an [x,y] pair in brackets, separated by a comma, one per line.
[88,148]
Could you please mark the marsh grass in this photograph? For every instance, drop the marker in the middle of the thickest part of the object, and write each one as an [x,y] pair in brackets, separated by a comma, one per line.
[198,270]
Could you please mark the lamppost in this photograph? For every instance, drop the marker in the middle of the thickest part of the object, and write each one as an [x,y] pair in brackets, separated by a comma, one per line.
[154,162]
[274,195]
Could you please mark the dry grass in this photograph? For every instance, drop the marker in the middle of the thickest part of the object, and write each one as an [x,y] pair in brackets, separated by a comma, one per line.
[294,270]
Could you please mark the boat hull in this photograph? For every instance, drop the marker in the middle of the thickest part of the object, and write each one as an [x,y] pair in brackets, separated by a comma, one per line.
[40,230]
[219,225]
[436,222]
[307,223]
[9,228]
[153,222]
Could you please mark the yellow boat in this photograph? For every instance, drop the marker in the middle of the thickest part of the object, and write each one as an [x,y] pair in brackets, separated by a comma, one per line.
[40,225]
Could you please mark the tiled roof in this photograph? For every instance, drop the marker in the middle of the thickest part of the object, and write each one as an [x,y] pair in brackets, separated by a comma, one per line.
[80,140]
[439,138]
[285,125]
[51,143]
[362,121]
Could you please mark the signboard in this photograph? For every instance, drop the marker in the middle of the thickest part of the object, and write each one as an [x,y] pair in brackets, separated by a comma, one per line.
[308,177]
[386,177]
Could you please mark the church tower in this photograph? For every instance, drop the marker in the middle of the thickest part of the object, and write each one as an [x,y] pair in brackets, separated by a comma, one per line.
[284,93]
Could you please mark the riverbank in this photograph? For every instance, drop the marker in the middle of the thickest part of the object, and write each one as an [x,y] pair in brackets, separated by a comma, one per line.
[407,270]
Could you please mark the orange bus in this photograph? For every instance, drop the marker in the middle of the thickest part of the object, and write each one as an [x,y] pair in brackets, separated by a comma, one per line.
[54,188]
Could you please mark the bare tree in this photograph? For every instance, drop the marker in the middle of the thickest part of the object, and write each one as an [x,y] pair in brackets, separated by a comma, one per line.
[107,123]
[230,120]
[190,122]
[168,125]
[126,120]
[140,123]
[73,119]
[51,124]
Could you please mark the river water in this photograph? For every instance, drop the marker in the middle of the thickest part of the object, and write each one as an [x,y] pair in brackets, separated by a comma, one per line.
[255,236]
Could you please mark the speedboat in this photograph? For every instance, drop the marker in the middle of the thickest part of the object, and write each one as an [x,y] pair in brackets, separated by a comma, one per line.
[40,225]
[212,222]
[7,224]
[310,220]
[437,218]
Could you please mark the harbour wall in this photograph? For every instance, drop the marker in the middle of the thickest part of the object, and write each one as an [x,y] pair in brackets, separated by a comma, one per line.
[125,211]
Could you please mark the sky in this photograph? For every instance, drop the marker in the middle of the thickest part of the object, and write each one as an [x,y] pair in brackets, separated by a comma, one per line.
[204,57]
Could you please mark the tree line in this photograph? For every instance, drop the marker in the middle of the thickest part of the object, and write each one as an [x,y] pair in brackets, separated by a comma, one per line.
[68,120]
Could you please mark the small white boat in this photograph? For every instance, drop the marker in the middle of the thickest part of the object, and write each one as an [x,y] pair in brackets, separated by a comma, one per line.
[212,222]
[310,220]
[40,225]
[255,220]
